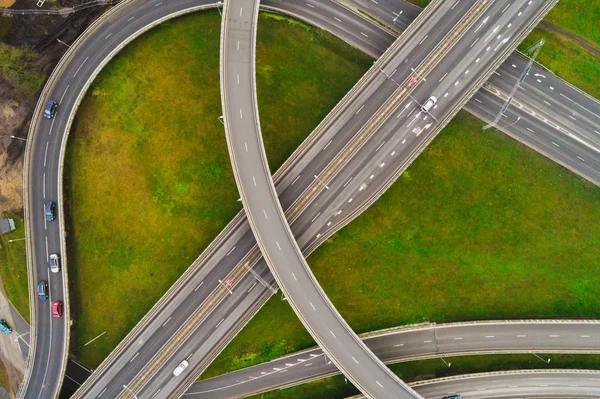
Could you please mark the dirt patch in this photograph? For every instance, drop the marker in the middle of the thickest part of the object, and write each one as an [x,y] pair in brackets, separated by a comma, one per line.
[6,3]
[38,32]
[586,44]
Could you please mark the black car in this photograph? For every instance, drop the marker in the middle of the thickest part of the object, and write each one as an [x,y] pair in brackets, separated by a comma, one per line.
[50,109]
[43,290]
[50,210]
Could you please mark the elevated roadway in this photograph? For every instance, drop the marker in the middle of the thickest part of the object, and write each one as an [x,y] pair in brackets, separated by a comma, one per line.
[68,84]
[411,343]
[514,384]
[267,218]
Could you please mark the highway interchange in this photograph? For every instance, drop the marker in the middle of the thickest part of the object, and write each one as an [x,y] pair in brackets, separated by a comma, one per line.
[84,70]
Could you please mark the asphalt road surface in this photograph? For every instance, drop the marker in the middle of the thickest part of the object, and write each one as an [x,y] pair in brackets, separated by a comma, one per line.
[521,384]
[410,343]
[84,62]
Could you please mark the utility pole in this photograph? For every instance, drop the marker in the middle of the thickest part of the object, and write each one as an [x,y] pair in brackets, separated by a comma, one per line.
[534,50]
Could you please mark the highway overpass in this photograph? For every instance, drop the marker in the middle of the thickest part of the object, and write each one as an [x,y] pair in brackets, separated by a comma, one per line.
[514,384]
[410,343]
[73,89]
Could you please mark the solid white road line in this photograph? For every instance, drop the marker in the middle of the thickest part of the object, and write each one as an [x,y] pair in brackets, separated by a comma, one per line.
[63,96]
[46,155]
[77,71]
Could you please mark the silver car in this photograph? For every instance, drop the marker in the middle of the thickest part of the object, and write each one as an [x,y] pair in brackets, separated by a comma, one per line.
[54,263]
[429,104]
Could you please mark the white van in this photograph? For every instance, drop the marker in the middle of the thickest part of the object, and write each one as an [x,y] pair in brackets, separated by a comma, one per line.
[429,104]
[179,369]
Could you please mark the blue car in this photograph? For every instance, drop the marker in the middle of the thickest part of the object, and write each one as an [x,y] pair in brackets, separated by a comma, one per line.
[4,328]
[50,109]
[42,290]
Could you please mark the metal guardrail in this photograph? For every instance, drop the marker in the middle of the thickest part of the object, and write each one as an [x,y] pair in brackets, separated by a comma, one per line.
[62,11]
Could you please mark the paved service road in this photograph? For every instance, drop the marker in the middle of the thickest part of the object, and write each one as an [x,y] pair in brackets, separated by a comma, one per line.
[411,343]
[511,384]
[231,247]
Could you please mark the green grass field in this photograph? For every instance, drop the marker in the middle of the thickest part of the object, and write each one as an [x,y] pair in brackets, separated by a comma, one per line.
[336,387]
[148,176]
[519,239]
[13,266]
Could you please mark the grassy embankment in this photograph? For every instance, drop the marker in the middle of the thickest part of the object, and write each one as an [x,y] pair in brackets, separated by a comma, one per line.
[13,266]
[148,174]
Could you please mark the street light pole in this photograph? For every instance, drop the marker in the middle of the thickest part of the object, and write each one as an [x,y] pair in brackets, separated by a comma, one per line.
[129,389]
[18,138]
[17,239]
[219,7]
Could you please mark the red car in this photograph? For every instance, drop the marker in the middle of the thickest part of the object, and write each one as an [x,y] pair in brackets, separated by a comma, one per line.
[56,309]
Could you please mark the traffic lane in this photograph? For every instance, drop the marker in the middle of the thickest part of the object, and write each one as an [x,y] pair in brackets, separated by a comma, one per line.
[331,16]
[549,102]
[525,383]
[50,331]
[545,139]
[395,14]
[556,90]
[206,338]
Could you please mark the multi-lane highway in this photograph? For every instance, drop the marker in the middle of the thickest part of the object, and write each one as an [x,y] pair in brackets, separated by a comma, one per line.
[562,122]
[72,77]
[409,343]
[514,384]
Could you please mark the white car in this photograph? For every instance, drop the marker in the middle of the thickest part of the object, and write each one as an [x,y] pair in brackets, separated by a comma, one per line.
[179,369]
[429,104]
[54,263]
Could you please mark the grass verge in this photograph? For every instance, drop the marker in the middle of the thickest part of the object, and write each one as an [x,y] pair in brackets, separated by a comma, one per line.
[148,177]
[336,387]
[13,266]
[518,240]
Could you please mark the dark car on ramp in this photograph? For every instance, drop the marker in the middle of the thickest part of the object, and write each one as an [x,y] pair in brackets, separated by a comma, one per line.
[50,109]
[42,290]
[49,211]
